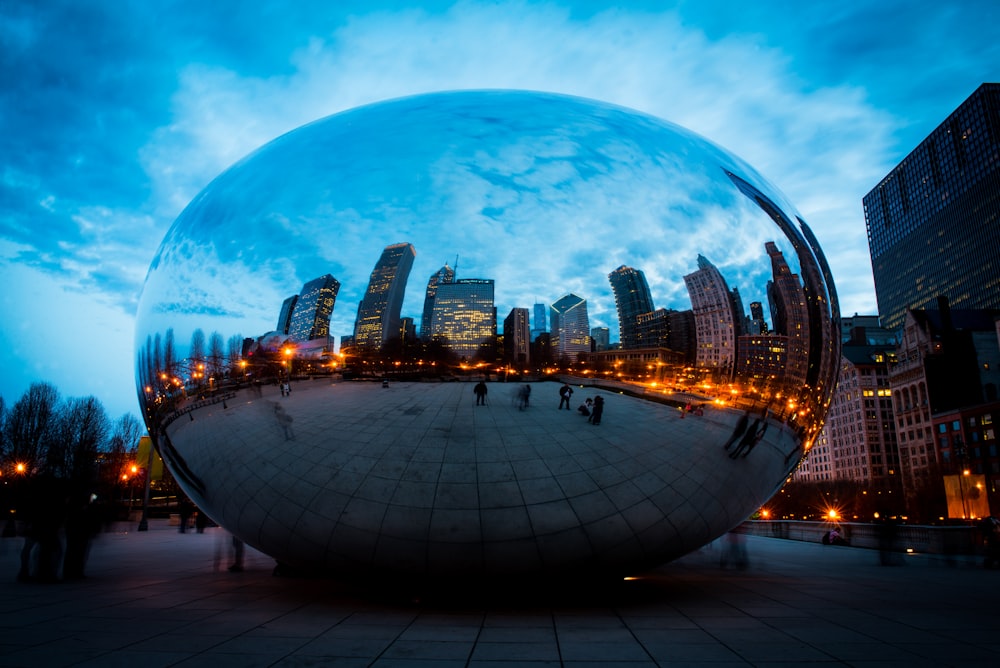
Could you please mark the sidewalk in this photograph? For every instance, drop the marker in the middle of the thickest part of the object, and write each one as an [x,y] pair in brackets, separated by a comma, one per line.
[160,598]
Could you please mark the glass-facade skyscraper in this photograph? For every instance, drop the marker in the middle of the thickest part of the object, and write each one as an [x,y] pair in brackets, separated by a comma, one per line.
[632,299]
[934,221]
[311,313]
[538,325]
[443,275]
[285,317]
[570,327]
[378,313]
[465,317]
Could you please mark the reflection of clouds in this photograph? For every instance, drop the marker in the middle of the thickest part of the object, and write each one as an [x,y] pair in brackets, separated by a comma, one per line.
[544,210]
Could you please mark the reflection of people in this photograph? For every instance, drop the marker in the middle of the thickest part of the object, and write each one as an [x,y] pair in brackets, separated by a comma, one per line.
[523,396]
[238,549]
[735,551]
[284,421]
[595,416]
[741,426]
[565,392]
[480,391]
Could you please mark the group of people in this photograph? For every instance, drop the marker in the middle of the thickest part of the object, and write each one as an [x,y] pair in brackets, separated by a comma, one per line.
[746,435]
[593,409]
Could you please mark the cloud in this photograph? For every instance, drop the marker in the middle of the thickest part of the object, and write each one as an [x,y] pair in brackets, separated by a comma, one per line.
[732,90]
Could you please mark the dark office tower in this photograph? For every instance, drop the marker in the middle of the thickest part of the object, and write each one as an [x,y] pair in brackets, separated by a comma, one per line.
[285,317]
[465,318]
[601,337]
[934,221]
[739,313]
[378,313]
[538,324]
[443,275]
[653,329]
[789,313]
[570,327]
[516,337]
[715,321]
[632,299]
[757,323]
[311,315]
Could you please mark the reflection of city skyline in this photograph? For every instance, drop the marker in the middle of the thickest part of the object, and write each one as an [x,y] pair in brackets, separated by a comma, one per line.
[716,333]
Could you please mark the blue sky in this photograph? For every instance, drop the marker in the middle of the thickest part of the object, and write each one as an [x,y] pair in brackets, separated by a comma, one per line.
[113,115]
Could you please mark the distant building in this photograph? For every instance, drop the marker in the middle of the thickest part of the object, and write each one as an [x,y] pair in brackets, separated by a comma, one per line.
[465,317]
[715,321]
[570,327]
[755,322]
[538,324]
[938,370]
[601,337]
[378,312]
[443,275]
[632,299]
[517,338]
[285,317]
[859,440]
[934,221]
[789,315]
[310,317]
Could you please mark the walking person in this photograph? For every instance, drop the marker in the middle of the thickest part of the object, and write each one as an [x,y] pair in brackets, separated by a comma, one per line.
[565,392]
[522,397]
[480,390]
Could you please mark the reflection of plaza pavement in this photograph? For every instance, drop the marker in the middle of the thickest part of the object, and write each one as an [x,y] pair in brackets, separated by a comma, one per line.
[161,598]
[415,475]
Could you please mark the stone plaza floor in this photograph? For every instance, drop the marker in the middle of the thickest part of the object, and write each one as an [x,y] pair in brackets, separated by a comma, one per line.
[162,598]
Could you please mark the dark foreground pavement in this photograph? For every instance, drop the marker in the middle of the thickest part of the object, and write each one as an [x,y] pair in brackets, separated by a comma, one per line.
[160,598]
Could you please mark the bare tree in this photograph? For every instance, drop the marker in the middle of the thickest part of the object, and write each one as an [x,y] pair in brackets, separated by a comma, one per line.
[28,425]
[122,446]
[216,354]
[79,432]
[234,351]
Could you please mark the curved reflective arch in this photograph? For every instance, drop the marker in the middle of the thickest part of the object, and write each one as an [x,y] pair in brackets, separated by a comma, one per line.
[528,239]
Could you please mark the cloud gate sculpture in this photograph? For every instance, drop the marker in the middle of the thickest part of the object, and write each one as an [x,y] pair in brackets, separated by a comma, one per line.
[314,329]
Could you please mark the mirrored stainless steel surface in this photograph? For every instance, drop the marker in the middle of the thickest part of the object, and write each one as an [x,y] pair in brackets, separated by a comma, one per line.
[314,327]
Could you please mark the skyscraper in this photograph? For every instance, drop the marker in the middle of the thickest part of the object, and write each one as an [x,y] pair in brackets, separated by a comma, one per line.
[601,337]
[310,317]
[443,275]
[934,221]
[465,318]
[285,317]
[570,327]
[378,312]
[516,337]
[538,322]
[632,299]
[789,314]
[715,322]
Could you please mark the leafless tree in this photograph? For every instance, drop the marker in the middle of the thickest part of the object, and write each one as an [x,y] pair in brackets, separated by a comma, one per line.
[29,423]
[79,432]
